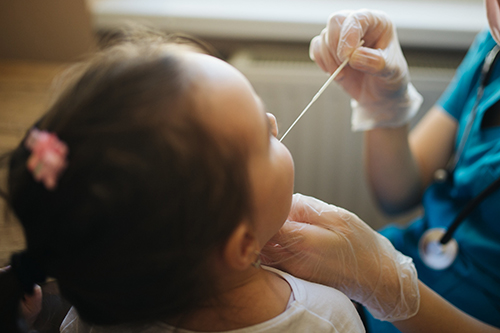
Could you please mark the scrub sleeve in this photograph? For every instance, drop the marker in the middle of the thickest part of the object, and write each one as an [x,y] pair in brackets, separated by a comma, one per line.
[472,283]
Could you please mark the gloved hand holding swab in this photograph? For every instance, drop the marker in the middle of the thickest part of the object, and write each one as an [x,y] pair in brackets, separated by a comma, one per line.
[320,91]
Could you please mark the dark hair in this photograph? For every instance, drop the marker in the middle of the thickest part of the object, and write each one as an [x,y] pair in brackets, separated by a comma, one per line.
[150,192]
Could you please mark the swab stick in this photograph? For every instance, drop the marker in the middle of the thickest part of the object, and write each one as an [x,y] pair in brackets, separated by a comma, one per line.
[320,91]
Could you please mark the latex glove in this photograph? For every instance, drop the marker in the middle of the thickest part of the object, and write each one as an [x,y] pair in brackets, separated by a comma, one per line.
[377,77]
[329,245]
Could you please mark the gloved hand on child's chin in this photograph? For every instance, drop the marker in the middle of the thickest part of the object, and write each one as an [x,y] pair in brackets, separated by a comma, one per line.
[377,77]
[329,245]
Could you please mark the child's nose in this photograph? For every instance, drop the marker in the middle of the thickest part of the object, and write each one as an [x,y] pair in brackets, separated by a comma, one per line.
[274,124]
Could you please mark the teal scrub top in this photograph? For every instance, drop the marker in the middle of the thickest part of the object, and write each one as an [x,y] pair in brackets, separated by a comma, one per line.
[472,283]
[479,166]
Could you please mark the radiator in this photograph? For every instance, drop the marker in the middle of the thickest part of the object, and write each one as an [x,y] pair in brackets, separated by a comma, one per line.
[327,155]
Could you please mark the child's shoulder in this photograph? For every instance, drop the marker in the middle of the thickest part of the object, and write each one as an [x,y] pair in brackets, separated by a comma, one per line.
[313,308]
[322,305]
[308,292]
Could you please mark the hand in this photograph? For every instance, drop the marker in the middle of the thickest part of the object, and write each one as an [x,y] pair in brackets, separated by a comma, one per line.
[329,245]
[31,306]
[377,77]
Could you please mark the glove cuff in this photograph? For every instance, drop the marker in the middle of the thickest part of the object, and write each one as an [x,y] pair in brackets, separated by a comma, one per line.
[397,300]
[386,114]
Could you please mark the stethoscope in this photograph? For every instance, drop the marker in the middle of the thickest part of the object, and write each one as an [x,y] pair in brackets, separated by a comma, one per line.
[437,248]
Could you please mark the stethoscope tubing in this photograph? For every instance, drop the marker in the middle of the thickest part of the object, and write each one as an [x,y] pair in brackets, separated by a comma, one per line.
[489,61]
[467,210]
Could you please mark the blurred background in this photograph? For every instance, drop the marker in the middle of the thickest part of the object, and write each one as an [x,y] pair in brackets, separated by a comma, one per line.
[265,39]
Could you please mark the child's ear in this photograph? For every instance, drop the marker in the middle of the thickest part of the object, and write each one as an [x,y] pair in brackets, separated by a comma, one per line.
[242,247]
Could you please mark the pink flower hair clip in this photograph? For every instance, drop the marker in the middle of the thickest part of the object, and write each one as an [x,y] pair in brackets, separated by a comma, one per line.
[48,157]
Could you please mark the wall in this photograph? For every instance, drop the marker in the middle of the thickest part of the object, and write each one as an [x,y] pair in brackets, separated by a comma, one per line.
[53,30]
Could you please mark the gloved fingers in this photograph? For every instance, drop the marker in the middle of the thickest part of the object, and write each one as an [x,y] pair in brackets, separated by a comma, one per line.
[275,255]
[303,266]
[282,257]
[328,53]
[368,60]
[341,39]
[321,54]
[316,212]
[309,252]
[287,241]
[323,47]
[308,209]
[374,27]
[333,29]
[299,238]
[314,49]
[285,247]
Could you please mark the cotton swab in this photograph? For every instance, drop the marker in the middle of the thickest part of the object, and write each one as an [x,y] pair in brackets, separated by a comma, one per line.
[320,91]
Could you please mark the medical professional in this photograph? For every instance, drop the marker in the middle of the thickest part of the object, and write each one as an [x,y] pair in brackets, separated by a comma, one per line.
[447,160]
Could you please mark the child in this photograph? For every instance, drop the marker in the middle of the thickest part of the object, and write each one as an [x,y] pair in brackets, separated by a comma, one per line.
[148,191]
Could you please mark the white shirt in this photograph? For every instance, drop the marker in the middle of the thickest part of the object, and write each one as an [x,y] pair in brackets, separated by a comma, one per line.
[312,308]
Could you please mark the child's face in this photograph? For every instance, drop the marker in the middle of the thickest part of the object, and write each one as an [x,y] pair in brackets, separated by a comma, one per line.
[235,111]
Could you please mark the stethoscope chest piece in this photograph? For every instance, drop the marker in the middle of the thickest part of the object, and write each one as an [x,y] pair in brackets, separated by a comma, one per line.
[434,254]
